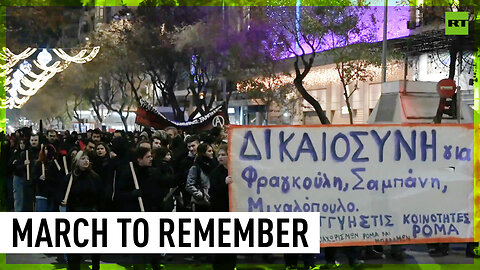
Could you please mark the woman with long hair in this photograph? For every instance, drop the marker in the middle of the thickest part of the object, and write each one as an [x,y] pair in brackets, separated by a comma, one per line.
[102,155]
[84,196]
[220,203]
[72,152]
[102,165]
[198,182]
[47,174]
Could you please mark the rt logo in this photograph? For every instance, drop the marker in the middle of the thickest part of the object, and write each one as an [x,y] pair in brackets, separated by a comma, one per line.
[456,23]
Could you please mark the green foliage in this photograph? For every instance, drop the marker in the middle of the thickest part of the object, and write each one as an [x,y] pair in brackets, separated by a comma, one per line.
[449,3]
[270,89]
[333,29]
[350,47]
[88,2]
[3,114]
[38,26]
[44,3]
[158,3]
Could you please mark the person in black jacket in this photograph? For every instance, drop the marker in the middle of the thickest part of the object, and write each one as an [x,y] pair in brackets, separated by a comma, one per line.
[182,169]
[46,184]
[53,139]
[178,147]
[103,166]
[84,196]
[101,160]
[23,189]
[218,187]
[219,203]
[152,184]
[163,173]
[126,196]
[119,158]
[17,146]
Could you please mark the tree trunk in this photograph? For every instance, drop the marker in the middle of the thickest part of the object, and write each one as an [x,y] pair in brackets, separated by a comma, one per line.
[136,96]
[298,82]
[453,60]
[453,51]
[96,109]
[124,120]
[60,119]
[347,102]
[318,108]
[172,99]
[177,112]
[231,87]
[79,123]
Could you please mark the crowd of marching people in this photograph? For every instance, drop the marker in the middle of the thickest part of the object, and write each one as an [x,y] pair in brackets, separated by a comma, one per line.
[99,171]
[169,170]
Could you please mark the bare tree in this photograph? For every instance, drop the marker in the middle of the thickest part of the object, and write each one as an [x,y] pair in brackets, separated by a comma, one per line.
[75,107]
[117,99]
[135,81]
[91,94]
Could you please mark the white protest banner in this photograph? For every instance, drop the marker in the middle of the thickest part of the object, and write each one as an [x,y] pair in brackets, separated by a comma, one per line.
[372,184]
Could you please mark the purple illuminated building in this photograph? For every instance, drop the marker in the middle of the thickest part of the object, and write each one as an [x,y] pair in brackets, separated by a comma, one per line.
[371,23]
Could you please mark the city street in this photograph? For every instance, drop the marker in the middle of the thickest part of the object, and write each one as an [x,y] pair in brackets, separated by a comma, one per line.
[266,126]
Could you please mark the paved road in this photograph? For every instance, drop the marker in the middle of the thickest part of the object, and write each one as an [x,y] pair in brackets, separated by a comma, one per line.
[416,254]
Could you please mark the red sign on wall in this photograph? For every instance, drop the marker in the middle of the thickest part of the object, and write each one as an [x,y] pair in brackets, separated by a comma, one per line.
[446,88]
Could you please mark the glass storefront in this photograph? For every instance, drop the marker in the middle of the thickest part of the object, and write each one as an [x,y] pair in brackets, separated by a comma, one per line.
[251,115]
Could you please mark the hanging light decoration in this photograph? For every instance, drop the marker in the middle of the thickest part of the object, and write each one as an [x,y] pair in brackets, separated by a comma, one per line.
[23,80]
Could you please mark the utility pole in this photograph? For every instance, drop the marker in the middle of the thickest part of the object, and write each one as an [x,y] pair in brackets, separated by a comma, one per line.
[384,48]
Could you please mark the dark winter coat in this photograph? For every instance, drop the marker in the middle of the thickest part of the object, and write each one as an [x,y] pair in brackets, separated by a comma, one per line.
[19,164]
[219,201]
[85,193]
[164,175]
[53,177]
[105,168]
